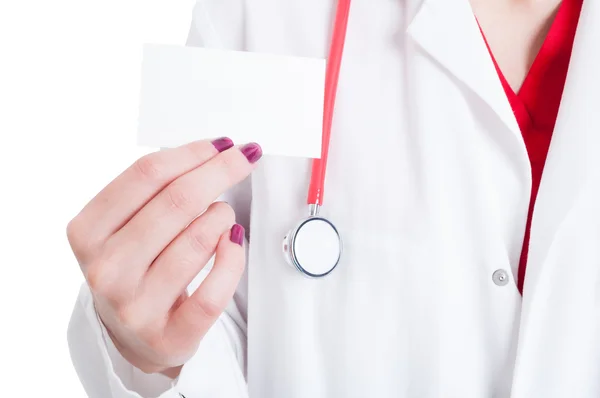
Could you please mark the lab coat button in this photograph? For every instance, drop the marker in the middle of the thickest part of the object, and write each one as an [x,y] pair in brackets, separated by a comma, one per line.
[500,277]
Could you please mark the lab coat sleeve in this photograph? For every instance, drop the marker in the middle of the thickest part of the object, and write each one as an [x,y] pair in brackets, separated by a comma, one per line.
[218,367]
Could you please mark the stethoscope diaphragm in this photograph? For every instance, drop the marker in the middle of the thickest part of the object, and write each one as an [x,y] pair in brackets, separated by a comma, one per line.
[313,247]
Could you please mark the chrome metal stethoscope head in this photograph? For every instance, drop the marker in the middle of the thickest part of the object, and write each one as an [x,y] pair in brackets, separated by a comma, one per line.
[313,246]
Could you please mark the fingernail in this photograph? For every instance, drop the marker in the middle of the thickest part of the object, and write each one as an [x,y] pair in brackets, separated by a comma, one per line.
[252,152]
[223,144]
[237,234]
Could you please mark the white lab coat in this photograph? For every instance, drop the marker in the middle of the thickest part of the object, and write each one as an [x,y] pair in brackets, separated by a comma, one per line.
[429,184]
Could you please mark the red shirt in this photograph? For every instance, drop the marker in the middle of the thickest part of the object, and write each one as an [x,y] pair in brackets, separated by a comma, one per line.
[536,104]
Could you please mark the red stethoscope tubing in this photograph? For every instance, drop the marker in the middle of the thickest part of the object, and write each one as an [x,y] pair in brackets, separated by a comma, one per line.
[334,61]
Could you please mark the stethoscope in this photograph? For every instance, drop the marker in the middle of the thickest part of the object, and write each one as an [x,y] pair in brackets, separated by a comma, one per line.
[314,245]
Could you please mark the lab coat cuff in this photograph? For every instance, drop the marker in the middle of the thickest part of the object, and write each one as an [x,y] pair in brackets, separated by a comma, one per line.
[214,370]
[165,387]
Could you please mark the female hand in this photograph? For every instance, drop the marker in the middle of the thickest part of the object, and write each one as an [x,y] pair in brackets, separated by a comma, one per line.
[146,235]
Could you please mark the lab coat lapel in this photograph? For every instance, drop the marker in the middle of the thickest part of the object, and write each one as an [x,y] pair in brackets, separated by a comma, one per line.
[574,150]
[448,31]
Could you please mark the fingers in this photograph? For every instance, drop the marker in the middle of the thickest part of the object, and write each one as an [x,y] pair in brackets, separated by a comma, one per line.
[190,322]
[143,238]
[184,258]
[110,209]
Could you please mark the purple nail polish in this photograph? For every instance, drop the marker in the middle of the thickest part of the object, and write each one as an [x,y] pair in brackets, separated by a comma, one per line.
[252,152]
[223,144]
[237,234]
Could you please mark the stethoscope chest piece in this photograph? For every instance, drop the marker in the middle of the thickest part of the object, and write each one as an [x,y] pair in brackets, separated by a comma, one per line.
[313,247]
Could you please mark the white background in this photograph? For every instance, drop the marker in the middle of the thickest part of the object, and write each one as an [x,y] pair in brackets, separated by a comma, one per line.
[69,84]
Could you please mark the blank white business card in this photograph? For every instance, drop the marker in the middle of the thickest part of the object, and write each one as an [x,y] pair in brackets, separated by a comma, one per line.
[190,93]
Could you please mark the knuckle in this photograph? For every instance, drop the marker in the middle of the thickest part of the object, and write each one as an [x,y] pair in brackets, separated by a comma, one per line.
[102,279]
[172,274]
[78,239]
[178,198]
[97,280]
[206,307]
[201,241]
[149,167]
[73,231]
